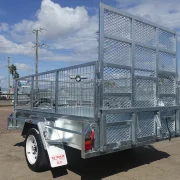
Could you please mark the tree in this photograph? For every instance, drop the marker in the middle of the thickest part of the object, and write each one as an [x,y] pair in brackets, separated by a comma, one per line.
[12,70]
[16,75]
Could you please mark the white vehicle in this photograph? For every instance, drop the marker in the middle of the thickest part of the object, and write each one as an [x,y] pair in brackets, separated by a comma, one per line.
[128,98]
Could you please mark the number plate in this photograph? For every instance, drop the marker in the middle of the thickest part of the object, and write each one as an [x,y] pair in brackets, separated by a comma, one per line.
[57,156]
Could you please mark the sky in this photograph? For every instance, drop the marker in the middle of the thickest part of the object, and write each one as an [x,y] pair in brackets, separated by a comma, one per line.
[70,30]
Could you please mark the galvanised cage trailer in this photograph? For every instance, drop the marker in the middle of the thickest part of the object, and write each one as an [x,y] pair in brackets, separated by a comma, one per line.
[128,98]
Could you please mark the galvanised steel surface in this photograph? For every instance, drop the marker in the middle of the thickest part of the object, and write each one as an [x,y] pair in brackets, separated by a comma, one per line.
[138,69]
[69,91]
[130,93]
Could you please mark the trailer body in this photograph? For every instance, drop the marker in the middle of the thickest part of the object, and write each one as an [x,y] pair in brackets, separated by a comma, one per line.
[128,98]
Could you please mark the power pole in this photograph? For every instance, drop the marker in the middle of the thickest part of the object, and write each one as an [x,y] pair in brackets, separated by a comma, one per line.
[36,53]
[36,31]
[8,66]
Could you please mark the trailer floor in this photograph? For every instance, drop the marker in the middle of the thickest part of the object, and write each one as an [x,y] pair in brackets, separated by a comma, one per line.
[160,161]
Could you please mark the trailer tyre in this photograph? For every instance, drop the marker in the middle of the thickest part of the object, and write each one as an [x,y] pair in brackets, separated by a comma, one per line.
[36,156]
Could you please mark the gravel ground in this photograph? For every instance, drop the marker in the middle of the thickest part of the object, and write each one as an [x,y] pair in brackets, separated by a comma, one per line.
[158,162]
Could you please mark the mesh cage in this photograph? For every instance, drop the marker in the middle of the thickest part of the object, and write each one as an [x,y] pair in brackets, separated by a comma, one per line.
[145,91]
[117,52]
[117,134]
[167,40]
[145,124]
[77,97]
[171,126]
[116,102]
[117,25]
[167,62]
[22,100]
[150,53]
[167,84]
[44,92]
[168,121]
[117,80]
[68,91]
[144,33]
[167,101]
[145,62]
[112,118]
[138,69]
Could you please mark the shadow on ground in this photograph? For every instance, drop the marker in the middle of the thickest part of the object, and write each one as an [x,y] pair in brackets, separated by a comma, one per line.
[106,165]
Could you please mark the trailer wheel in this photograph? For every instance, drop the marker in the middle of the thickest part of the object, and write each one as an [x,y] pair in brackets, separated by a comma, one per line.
[36,156]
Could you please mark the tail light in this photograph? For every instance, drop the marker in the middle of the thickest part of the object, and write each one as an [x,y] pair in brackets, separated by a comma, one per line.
[89,140]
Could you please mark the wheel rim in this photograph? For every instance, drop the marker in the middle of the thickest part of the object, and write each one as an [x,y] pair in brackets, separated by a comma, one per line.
[31,149]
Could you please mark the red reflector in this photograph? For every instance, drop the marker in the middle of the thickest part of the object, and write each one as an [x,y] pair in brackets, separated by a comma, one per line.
[89,142]
[88,145]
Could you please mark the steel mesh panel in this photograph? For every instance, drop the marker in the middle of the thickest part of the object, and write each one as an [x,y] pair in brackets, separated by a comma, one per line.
[44,92]
[169,113]
[144,93]
[117,25]
[145,61]
[145,124]
[117,102]
[171,126]
[150,73]
[68,91]
[117,80]
[23,94]
[111,118]
[144,33]
[116,134]
[167,40]
[167,62]
[117,52]
[167,85]
[76,97]
[167,101]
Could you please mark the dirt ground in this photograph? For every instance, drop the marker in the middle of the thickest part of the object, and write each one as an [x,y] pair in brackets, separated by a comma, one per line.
[6,103]
[4,112]
[158,162]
